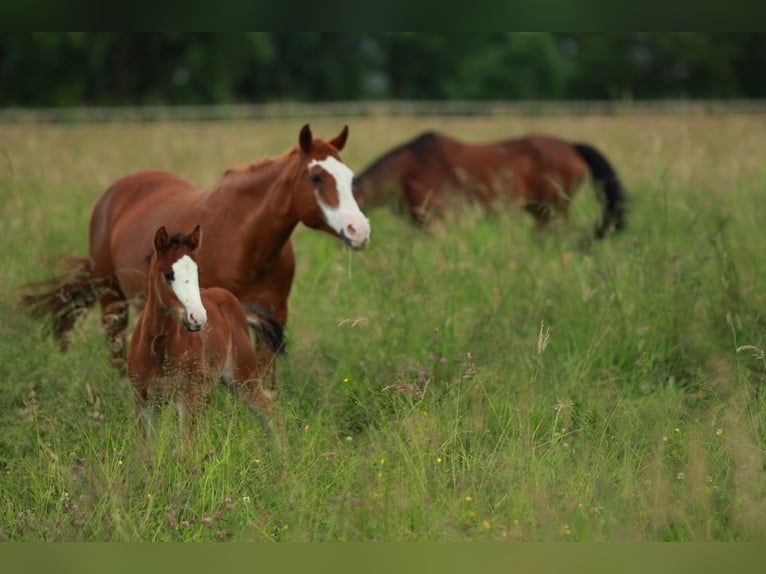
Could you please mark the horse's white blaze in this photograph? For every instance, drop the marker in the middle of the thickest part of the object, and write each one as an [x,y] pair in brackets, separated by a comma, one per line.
[346,218]
[185,285]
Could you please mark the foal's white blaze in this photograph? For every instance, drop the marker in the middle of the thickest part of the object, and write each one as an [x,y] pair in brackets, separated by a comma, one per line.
[185,285]
[346,219]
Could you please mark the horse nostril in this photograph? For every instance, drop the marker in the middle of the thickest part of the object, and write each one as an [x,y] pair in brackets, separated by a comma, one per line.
[351,229]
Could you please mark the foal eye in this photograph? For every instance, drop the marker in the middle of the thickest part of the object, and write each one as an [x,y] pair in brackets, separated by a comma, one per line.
[168,275]
[317,179]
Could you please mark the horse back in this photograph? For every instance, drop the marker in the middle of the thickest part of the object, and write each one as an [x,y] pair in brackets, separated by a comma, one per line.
[225,312]
[139,186]
[224,306]
[126,216]
[542,166]
[551,153]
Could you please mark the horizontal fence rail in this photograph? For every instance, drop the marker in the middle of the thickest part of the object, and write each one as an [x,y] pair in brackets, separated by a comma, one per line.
[372,108]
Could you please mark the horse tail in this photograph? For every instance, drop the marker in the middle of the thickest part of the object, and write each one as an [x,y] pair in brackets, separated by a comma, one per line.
[608,188]
[265,327]
[64,298]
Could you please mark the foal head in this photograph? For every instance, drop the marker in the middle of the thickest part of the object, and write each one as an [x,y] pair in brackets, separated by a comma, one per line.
[323,198]
[174,276]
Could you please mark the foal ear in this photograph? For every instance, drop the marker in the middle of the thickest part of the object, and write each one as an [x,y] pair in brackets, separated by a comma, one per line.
[194,239]
[340,140]
[305,138]
[160,238]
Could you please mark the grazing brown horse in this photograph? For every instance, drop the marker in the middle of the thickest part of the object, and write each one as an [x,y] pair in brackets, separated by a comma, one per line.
[248,217]
[186,340]
[537,172]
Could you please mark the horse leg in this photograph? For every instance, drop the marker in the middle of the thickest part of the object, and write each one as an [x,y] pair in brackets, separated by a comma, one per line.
[267,316]
[258,389]
[193,399]
[262,401]
[187,423]
[541,213]
[261,395]
[269,340]
[419,201]
[267,367]
[114,318]
[146,423]
[261,392]
[562,211]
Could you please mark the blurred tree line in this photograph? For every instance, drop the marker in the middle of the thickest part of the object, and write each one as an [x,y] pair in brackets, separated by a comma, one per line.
[135,68]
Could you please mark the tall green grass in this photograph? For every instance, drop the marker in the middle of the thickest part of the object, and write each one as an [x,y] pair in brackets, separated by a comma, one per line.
[478,381]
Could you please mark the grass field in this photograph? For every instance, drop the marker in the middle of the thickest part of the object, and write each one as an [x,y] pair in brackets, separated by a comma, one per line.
[475,382]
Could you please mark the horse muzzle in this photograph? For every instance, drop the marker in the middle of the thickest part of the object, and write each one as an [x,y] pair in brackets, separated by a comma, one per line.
[192,327]
[356,236]
[194,321]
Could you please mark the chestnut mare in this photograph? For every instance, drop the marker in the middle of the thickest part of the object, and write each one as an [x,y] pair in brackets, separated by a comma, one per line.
[186,340]
[248,217]
[537,172]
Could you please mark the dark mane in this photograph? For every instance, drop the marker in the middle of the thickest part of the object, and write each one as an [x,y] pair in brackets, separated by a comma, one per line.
[421,145]
[176,239]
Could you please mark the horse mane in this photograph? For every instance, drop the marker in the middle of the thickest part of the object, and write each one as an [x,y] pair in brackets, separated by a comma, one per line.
[259,165]
[421,145]
[248,167]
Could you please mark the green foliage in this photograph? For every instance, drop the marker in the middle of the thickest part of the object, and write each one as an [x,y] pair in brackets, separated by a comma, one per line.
[520,66]
[139,68]
[656,65]
[476,381]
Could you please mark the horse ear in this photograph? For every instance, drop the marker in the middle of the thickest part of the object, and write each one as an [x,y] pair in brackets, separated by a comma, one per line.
[160,238]
[340,140]
[194,239]
[305,138]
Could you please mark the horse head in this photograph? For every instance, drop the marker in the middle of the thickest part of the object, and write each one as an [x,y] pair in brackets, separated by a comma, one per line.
[324,198]
[174,275]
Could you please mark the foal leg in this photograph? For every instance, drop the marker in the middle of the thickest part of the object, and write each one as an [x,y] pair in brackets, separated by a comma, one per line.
[194,399]
[146,423]
[541,213]
[420,201]
[141,406]
[266,369]
[260,394]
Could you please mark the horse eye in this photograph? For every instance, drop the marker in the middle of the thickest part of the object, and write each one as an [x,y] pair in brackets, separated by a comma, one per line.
[317,179]
[168,275]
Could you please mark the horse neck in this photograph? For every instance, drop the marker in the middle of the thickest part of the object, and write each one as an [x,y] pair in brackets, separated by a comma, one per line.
[158,316]
[382,180]
[261,197]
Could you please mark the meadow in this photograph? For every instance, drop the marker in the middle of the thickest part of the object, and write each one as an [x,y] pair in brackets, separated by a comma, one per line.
[473,382]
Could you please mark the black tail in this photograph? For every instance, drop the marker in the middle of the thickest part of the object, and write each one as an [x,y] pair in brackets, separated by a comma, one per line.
[608,186]
[265,327]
